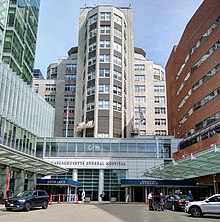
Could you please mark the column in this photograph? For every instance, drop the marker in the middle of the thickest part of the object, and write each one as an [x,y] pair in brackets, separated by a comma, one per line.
[101,183]
[3,180]
[146,194]
[32,181]
[19,182]
[75,178]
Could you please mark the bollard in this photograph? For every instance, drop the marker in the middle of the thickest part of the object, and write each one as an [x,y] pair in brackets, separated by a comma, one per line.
[51,199]
[59,199]
[76,198]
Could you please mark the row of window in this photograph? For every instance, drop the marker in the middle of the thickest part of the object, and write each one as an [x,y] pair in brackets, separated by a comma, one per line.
[204,134]
[68,87]
[142,99]
[104,105]
[205,78]
[105,16]
[196,46]
[105,73]
[142,122]
[52,98]
[199,104]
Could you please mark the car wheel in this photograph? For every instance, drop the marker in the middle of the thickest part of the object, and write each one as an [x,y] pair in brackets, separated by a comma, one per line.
[8,209]
[27,207]
[45,205]
[196,212]
[173,208]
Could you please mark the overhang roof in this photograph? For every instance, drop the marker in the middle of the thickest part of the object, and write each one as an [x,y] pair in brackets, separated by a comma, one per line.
[20,160]
[199,164]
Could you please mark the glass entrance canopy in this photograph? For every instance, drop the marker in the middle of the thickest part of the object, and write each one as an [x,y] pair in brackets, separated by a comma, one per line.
[196,165]
[14,158]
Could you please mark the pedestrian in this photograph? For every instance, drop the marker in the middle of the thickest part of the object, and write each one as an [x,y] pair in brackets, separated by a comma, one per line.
[9,193]
[83,195]
[190,194]
[1,195]
[102,195]
[163,201]
[150,200]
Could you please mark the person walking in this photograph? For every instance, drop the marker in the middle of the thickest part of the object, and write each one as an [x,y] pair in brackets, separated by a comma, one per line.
[150,200]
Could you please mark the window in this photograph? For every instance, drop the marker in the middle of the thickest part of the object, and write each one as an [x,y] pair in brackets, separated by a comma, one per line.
[160,110]
[104,58]
[186,97]
[160,121]
[117,19]
[206,56]
[159,88]
[36,88]
[104,88]
[160,132]
[117,33]
[104,44]
[140,99]
[139,67]
[208,121]
[70,87]
[205,35]
[92,47]
[105,16]
[90,106]
[50,87]
[205,100]
[140,88]
[54,71]
[70,76]
[117,90]
[70,120]
[69,98]
[91,75]
[105,29]
[104,73]
[50,98]
[93,33]
[139,78]
[92,61]
[139,122]
[71,67]
[211,73]
[117,61]
[138,109]
[117,106]
[117,75]
[117,47]
[159,99]
[90,90]
[93,19]
[104,104]
[70,109]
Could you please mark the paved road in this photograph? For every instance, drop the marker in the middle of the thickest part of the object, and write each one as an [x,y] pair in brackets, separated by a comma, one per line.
[99,213]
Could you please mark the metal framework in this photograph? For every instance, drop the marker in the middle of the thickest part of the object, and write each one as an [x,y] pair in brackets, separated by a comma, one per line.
[196,165]
[14,158]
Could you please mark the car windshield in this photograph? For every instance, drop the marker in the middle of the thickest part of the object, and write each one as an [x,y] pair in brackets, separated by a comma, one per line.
[24,194]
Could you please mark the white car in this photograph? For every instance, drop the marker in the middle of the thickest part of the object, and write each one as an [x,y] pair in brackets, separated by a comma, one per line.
[210,205]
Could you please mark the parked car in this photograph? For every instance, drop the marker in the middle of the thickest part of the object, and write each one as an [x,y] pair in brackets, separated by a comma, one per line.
[177,202]
[27,200]
[210,205]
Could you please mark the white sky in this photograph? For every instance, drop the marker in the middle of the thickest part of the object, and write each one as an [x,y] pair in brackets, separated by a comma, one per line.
[158,26]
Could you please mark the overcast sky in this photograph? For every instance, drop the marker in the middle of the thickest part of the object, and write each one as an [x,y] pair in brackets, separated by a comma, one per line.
[158,26]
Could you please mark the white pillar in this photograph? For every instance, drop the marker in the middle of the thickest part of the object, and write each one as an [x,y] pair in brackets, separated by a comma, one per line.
[75,178]
[3,180]
[101,183]
[32,181]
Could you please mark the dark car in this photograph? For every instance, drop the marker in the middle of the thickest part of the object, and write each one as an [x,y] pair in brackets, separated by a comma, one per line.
[177,202]
[27,200]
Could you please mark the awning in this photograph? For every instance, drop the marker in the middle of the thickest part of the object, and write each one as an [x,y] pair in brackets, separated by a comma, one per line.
[59,182]
[199,164]
[20,160]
